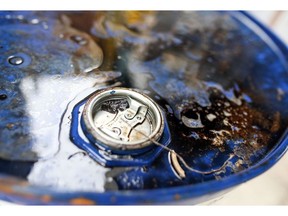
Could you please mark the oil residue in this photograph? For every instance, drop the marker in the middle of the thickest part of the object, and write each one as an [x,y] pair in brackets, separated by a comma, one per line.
[113,106]
[217,81]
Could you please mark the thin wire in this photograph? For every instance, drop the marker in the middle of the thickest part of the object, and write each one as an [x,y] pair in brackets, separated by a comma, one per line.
[184,162]
[182,159]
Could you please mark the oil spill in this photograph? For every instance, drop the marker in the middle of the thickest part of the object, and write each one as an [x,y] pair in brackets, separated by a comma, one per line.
[222,88]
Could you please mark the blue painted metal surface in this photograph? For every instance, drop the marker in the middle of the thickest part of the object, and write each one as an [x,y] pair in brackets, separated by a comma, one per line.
[257,60]
[100,153]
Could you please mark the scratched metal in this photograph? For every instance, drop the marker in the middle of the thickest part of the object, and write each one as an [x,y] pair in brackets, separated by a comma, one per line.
[219,78]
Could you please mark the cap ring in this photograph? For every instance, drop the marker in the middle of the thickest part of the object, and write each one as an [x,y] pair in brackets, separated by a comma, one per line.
[123,119]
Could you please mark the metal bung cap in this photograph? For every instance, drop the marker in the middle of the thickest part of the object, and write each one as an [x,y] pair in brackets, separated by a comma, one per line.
[123,119]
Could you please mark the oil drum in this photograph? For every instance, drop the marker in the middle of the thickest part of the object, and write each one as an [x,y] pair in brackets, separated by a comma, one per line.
[128,107]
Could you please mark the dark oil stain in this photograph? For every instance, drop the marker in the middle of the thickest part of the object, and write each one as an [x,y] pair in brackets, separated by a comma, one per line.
[3,96]
[113,106]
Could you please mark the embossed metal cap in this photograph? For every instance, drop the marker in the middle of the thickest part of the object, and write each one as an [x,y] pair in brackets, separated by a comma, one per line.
[123,119]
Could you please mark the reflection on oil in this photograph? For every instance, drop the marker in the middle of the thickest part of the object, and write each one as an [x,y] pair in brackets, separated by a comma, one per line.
[216,80]
[70,169]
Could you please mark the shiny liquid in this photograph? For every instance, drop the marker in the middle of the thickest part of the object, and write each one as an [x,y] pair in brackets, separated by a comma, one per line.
[216,80]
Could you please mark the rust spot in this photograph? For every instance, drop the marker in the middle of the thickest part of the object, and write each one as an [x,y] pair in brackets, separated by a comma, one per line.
[6,189]
[46,198]
[10,126]
[177,197]
[8,186]
[82,201]
[276,122]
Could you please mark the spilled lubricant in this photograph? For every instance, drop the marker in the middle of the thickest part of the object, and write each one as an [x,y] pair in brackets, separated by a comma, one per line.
[215,79]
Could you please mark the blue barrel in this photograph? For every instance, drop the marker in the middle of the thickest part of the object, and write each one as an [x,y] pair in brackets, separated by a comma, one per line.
[195,103]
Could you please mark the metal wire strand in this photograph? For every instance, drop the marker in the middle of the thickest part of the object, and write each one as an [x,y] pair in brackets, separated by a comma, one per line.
[181,159]
[186,165]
